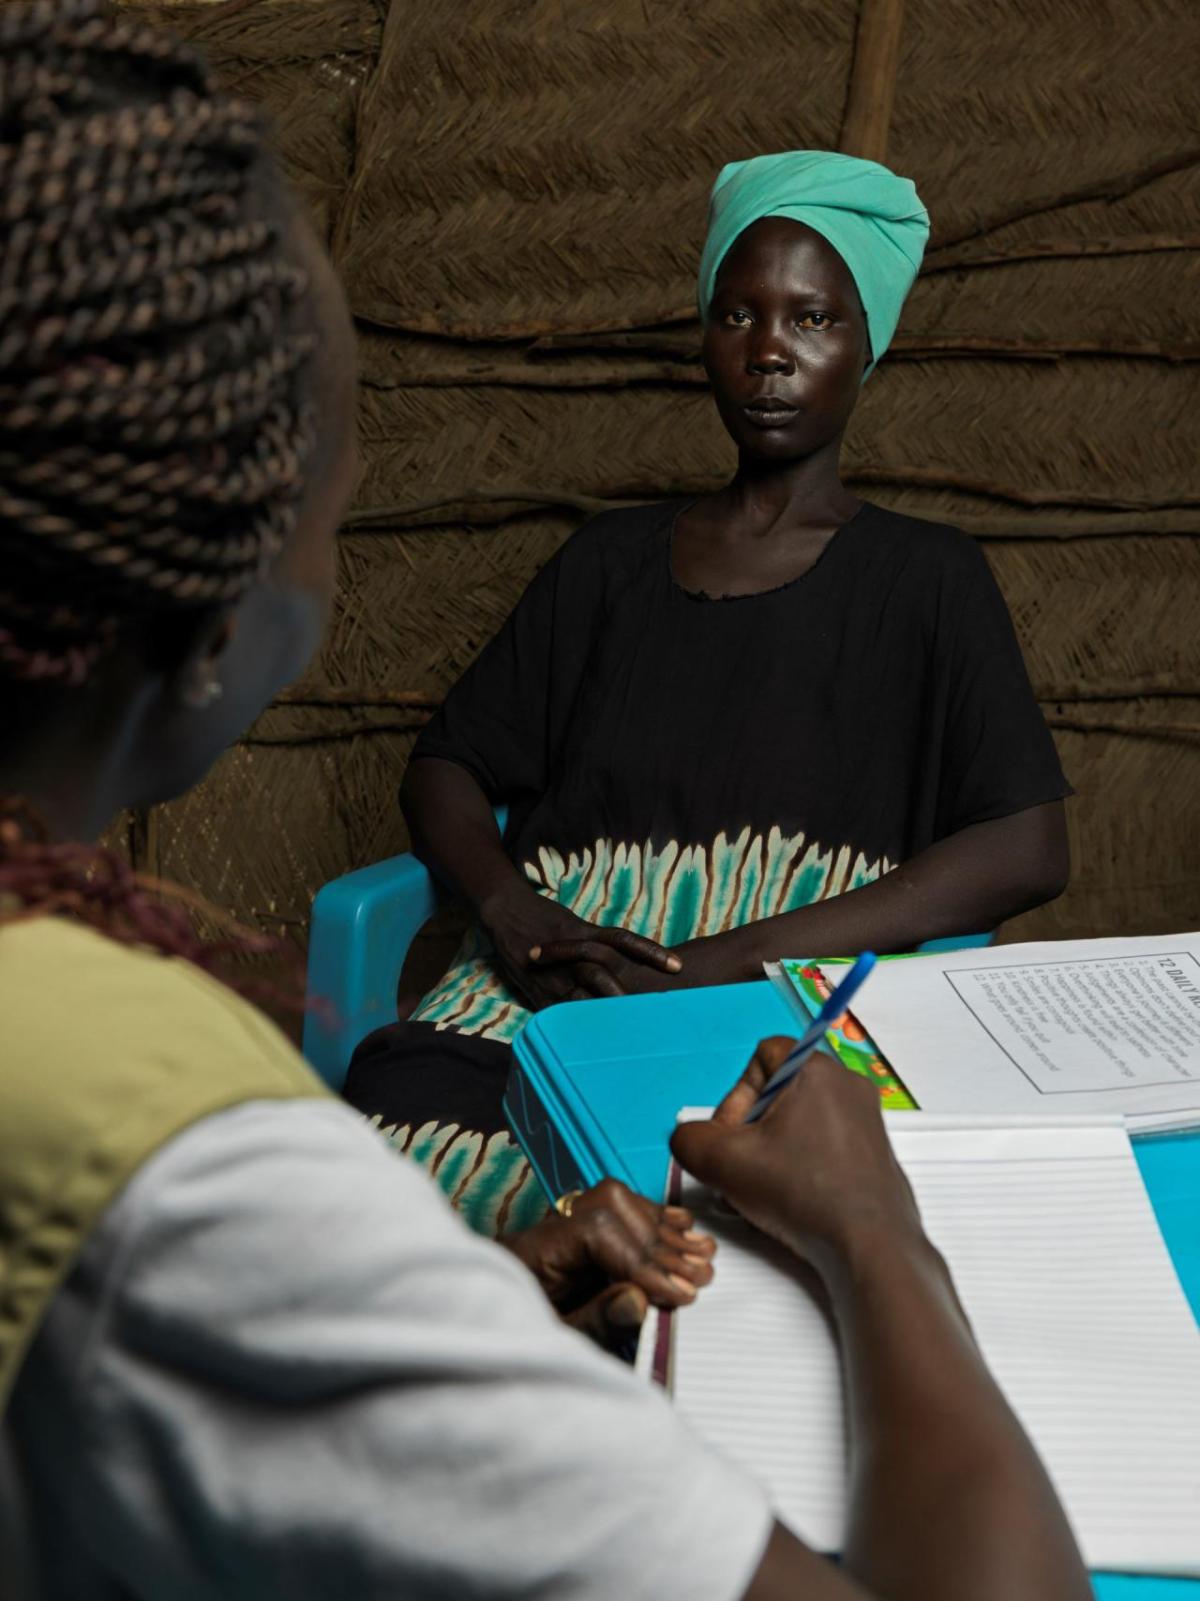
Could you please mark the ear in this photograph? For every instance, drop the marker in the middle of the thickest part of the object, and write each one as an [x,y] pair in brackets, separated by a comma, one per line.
[198,678]
[186,651]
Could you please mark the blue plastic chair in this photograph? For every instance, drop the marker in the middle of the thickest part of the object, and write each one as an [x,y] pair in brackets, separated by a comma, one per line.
[362,927]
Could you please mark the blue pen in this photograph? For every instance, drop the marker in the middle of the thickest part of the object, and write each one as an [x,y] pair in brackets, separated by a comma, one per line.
[838,1002]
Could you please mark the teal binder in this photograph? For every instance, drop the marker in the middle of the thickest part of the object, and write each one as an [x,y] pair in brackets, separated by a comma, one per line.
[596,1084]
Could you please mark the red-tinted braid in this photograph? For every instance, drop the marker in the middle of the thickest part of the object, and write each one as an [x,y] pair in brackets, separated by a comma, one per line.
[39,877]
[154,407]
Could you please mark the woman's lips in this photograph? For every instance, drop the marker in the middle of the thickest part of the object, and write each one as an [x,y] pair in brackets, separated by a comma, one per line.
[770,413]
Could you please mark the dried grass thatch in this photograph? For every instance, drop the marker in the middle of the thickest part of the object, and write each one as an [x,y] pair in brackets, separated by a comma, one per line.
[946,437]
[1021,114]
[1134,842]
[540,166]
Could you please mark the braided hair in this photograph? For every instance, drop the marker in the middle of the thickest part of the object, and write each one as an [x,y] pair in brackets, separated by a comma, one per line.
[154,419]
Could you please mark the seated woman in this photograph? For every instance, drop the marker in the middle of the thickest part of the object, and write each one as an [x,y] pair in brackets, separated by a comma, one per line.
[773,720]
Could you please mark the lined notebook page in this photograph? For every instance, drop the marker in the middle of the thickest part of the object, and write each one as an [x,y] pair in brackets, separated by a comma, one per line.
[1057,1257]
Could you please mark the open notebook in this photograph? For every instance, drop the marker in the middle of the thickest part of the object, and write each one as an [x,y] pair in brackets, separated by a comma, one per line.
[1060,1265]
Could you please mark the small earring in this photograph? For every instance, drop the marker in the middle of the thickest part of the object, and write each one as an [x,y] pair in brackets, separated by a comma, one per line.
[212,691]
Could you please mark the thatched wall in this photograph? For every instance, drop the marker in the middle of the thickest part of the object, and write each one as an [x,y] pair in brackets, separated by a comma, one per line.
[515,197]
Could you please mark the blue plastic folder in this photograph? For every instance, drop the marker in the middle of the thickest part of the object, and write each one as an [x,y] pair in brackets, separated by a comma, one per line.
[597,1084]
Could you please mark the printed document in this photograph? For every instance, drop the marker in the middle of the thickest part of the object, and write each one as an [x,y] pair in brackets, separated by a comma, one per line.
[1080,1026]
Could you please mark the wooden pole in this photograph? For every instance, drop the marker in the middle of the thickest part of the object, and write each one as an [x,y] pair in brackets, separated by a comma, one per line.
[872,85]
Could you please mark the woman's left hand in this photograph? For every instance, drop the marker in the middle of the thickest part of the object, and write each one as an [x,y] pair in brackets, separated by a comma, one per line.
[609,973]
[615,1254]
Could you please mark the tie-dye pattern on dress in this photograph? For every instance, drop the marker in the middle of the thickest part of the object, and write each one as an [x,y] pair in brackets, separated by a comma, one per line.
[670,895]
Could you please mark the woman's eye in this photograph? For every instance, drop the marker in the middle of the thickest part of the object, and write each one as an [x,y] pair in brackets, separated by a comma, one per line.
[816,319]
[737,319]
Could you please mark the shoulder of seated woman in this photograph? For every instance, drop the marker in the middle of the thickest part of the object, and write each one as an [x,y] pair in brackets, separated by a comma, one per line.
[612,536]
[935,540]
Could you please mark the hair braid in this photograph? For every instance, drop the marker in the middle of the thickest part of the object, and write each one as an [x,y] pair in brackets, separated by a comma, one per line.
[154,392]
[153,425]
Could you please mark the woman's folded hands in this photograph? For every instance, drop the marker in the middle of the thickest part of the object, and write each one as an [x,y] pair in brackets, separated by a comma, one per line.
[548,954]
[616,1254]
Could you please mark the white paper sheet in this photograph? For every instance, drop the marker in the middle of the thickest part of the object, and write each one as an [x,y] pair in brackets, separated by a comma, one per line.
[1074,1026]
[1057,1257]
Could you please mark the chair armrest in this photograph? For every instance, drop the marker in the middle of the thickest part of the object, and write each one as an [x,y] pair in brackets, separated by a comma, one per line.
[362,926]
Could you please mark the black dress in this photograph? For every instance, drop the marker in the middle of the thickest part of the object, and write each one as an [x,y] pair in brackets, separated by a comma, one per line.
[682,765]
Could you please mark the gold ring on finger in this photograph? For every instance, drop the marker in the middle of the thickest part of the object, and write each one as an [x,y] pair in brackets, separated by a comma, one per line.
[565,1204]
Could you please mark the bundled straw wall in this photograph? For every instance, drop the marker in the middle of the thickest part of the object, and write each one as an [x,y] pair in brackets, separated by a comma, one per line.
[514,194]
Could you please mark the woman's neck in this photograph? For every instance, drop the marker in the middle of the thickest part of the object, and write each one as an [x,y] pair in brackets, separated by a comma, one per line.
[767,527]
[764,496]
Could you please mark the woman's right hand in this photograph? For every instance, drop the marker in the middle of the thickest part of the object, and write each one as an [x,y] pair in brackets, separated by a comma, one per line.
[519,921]
[816,1171]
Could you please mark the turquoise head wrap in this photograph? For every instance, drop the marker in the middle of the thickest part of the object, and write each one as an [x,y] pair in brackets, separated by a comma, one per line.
[874,220]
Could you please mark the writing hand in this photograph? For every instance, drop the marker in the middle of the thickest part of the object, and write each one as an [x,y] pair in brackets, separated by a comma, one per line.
[816,1167]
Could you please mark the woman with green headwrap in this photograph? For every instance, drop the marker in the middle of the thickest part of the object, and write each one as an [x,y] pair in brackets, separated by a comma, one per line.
[773,720]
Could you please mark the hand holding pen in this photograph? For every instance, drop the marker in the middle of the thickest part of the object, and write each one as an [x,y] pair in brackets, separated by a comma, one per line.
[838,1003]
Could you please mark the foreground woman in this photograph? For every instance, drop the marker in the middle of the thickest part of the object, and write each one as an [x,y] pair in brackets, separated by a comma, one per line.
[215,1385]
[770,721]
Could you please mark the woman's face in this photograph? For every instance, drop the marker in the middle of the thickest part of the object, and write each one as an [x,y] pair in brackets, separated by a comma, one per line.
[785,343]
